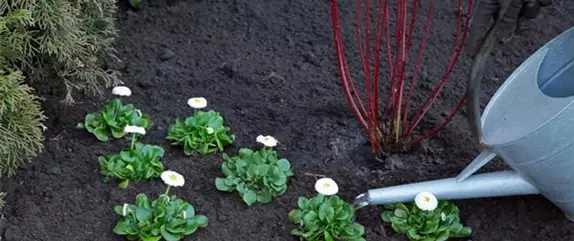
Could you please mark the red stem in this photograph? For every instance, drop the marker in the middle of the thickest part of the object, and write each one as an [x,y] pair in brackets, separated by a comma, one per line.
[448,119]
[391,93]
[418,65]
[454,58]
[343,67]
[402,9]
[412,25]
[365,60]
[375,91]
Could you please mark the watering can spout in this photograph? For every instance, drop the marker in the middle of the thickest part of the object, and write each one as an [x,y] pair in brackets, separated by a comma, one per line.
[495,184]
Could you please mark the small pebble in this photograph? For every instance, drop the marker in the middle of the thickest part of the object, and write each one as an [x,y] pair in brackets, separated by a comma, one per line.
[55,171]
[167,55]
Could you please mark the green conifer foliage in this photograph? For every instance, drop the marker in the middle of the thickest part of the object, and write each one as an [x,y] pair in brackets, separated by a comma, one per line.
[2,196]
[59,43]
[21,125]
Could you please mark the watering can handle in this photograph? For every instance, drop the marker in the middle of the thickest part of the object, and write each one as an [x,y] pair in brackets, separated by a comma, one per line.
[529,67]
[476,72]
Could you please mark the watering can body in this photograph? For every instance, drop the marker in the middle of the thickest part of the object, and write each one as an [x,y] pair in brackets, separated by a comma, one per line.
[529,123]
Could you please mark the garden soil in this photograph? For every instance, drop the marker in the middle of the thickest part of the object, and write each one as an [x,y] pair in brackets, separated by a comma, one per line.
[269,67]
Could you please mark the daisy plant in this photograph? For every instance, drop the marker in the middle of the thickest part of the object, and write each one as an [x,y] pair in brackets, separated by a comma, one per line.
[426,220]
[325,217]
[167,217]
[114,117]
[258,176]
[140,162]
[201,133]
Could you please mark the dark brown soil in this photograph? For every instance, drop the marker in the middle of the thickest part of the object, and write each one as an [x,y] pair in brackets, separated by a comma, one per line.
[269,67]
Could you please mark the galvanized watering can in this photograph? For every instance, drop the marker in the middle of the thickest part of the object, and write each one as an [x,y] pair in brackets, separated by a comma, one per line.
[529,123]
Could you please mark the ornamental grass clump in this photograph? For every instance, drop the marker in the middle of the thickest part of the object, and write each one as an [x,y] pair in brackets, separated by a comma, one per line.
[140,162]
[167,217]
[258,176]
[325,217]
[390,127]
[426,220]
[111,121]
[201,133]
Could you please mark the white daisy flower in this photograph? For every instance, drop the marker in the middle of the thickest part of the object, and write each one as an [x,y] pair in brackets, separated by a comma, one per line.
[172,178]
[121,91]
[326,186]
[426,201]
[267,141]
[134,129]
[197,102]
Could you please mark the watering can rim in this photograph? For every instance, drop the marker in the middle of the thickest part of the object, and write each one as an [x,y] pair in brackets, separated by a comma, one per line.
[543,50]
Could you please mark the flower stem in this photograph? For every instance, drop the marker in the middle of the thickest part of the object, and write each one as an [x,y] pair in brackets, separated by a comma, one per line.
[133,141]
[167,191]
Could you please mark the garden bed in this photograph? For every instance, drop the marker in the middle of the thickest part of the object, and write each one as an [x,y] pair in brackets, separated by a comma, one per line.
[269,68]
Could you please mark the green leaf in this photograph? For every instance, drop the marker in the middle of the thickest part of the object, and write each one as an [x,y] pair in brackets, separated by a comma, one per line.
[398,220]
[221,185]
[303,203]
[443,236]
[189,211]
[326,212]
[310,218]
[249,197]
[143,214]
[80,126]
[295,216]
[343,214]
[355,230]
[430,227]
[328,236]
[119,210]
[201,220]
[120,228]
[317,200]
[261,170]
[456,228]
[225,170]
[124,184]
[357,239]
[100,133]
[412,234]
[400,213]
[402,207]
[296,232]
[264,197]
[386,216]
[151,238]
[284,165]
[169,236]
[464,232]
